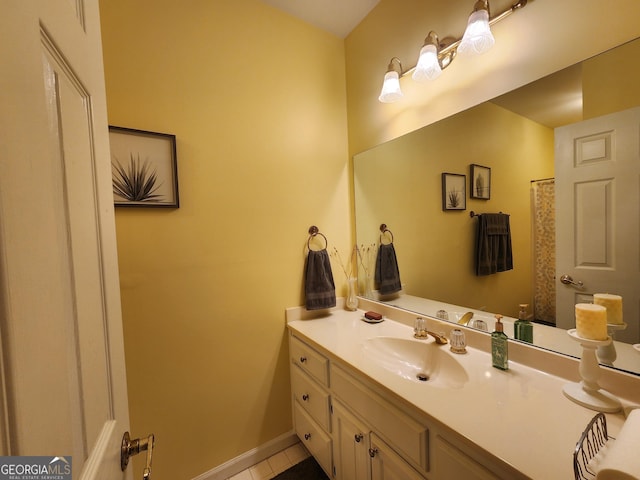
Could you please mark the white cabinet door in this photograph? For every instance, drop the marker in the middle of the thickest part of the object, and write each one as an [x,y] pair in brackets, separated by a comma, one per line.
[350,445]
[388,465]
[63,369]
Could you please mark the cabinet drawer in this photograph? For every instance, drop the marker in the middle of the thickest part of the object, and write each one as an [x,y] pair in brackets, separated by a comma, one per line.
[312,397]
[407,435]
[309,360]
[312,436]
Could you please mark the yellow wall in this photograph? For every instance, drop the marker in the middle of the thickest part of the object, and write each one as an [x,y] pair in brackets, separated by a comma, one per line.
[257,101]
[435,248]
[610,81]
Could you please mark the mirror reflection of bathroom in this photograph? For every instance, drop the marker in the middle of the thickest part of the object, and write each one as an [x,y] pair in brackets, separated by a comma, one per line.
[518,141]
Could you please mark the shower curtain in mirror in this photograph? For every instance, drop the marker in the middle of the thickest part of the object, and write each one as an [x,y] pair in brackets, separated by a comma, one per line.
[544,250]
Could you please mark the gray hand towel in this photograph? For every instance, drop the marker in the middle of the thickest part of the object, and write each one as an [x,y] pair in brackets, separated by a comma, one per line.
[493,244]
[319,289]
[387,275]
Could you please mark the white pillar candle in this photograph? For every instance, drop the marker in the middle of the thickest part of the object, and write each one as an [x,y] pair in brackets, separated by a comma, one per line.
[591,321]
[613,304]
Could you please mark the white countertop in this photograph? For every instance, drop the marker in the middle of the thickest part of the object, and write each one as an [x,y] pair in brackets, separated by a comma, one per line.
[520,416]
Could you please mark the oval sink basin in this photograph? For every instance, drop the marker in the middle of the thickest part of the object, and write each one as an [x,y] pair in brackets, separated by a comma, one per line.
[417,360]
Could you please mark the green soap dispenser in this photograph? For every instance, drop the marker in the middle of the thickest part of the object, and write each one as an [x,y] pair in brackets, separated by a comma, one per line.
[523,328]
[499,346]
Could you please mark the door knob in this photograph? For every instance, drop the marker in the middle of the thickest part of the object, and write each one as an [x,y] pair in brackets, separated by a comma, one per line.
[567,280]
[130,448]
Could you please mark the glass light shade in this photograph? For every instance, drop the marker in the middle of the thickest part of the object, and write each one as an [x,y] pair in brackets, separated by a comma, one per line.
[428,67]
[477,37]
[390,88]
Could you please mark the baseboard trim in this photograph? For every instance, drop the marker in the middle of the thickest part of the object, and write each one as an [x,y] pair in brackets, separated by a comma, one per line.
[250,458]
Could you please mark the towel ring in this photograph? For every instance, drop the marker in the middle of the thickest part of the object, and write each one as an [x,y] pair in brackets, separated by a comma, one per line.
[384,229]
[313,231]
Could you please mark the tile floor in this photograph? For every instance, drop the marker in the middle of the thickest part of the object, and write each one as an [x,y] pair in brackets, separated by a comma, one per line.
[274,465]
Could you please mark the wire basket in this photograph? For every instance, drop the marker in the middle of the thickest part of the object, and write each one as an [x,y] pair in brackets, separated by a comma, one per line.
[592,440]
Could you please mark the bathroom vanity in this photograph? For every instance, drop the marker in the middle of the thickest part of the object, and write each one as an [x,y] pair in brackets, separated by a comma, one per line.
[360,409]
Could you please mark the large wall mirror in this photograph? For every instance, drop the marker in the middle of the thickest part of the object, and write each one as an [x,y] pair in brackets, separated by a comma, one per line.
[515,137]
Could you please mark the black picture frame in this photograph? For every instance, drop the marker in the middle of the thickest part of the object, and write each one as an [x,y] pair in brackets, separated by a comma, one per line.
[454,195]
[144,168]
[480,182]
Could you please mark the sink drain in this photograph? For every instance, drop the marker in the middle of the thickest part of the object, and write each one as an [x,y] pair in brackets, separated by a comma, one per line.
[423,377]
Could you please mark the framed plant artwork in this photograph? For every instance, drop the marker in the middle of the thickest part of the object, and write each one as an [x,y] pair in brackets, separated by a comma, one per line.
[454,194]
[144,168]
[480,179]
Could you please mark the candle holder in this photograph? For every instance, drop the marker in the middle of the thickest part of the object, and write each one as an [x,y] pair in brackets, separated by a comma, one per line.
[587,392]
[607,354]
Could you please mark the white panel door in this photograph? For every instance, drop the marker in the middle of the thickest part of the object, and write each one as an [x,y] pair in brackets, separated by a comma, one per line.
[597,169]
[63,375]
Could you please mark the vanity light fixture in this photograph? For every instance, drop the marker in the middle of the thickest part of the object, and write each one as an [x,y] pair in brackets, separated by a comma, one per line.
[436,55]
[477,38]
[428,66]
[391,87]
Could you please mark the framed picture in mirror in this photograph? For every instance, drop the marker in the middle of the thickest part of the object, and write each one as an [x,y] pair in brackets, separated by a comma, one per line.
[454,191]
[480,179]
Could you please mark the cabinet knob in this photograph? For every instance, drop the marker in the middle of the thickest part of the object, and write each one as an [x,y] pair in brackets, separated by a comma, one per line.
[303,359]
[307,436]
[305,397]
[358,437]
[373,452]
